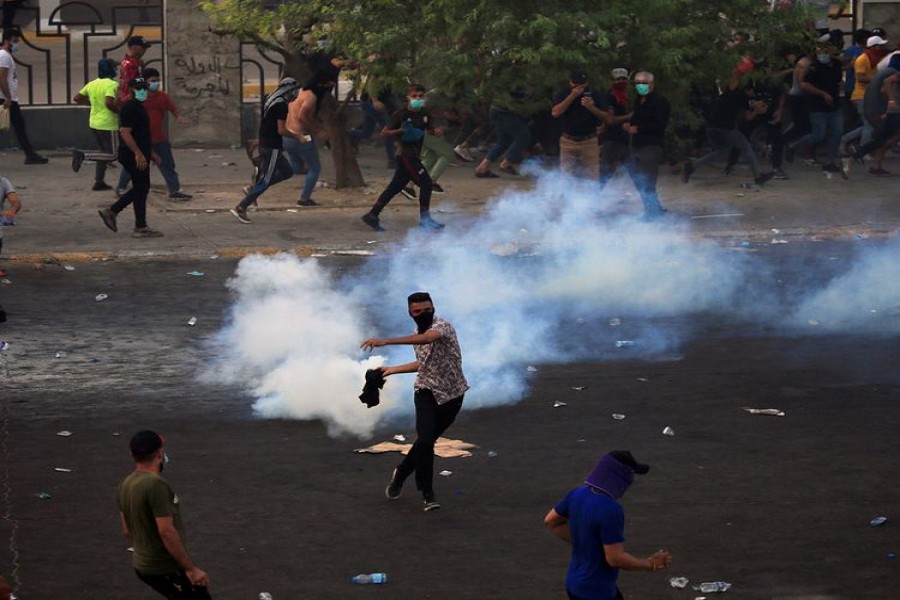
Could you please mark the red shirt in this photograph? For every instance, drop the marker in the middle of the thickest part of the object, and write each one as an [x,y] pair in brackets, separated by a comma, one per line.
[129,68]
[157,104]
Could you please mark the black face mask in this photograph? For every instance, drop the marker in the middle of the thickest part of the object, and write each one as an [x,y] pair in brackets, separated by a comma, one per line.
[424,320]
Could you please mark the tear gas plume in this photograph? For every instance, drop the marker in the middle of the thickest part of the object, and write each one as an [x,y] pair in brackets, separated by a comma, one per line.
[552,274]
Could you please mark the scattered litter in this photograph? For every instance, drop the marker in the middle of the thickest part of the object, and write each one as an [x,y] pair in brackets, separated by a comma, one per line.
[777,241]
[679,582]
[100,297]
[214,257]
[624,343]
[44,496]
[61,354]
[210,210]
[614,322]
[229,164]
[129,549]
[69,268]
[5,281]
[318,255]
[739,195]
[642,379]
[4,346]
[745,244]
[557,404]
[116,434]
[669,431]
[776,231]
[813,322]
[712,586]
[445,473]
[372,242]
[353,253]
[878,521]
[64,433]
[618,416]
[492,454]
[861,236]
[192,321]
[292,210]
[772,412]
[199,149]
[322,184]
[579,388]
[62,470]
[399,438]
[531,369]
[196,274]
[265,596]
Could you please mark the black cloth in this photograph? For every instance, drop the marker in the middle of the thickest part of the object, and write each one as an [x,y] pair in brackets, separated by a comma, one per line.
[175,586]
[420,119]
[578,121]
[728,109]
[615,133]
[828,79]
[651,117]
[268,126]
[17,122]
[134,116]
[374,382]
[137,195]
[432,420]
[409,168]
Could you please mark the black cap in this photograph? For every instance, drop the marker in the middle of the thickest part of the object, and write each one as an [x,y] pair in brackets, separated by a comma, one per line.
[138,40]
[578,77]
[145,443]
[139,83]
[625,457]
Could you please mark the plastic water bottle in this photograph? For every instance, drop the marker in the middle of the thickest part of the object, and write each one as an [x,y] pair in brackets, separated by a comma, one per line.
[709,587]
[370,578]
[265,596]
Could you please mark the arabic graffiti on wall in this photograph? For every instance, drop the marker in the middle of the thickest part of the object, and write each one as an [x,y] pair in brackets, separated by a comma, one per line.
[204,76]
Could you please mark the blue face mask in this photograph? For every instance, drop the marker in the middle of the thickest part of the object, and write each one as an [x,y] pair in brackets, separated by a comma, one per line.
[154,86]
[642,88]
[824,58]
[14,47]
[416,103]
[141,95]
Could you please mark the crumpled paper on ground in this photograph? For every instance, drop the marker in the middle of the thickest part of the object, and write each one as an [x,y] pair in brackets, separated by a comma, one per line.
[444,448]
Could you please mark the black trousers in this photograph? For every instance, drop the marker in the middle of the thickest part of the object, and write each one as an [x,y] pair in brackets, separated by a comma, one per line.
[17,122]
[137,195]
[408,169]
[432,419]
[175,586]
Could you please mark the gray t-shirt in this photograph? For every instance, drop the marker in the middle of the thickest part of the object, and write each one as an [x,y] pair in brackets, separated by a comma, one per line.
[874,102]
[5,188]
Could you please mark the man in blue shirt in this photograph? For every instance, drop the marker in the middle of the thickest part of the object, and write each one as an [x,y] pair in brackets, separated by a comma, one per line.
[591,519]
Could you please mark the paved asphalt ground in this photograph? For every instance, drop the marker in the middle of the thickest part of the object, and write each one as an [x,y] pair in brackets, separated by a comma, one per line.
[779,507]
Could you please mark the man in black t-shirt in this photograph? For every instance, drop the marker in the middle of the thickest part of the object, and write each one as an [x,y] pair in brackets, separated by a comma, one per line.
[408,125]
[580,110]
[135,154]
[647,128]
[274,166]
[615,139]
[722,130]
[822,84]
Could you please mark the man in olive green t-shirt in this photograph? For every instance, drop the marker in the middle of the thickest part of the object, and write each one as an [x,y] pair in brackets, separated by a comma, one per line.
[100,95]
[151,520]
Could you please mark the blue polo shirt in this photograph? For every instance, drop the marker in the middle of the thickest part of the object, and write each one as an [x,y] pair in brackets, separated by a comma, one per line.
[595,520]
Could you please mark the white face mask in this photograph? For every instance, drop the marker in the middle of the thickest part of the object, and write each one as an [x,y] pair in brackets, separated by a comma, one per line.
[14,47]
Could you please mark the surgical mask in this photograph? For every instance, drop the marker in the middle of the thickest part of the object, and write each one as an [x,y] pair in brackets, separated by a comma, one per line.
[823,58]
[417,103]
[642,88]
[154,86]
[14,47]
[424,320]
[141,95]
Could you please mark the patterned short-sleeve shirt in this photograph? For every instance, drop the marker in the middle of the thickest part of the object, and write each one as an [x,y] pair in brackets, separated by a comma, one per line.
[440,364]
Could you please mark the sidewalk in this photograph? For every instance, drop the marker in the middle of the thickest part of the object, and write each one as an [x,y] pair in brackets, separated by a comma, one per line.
[59,217]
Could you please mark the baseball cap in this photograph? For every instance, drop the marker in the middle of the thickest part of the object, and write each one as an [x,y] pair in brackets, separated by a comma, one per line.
[138,40]
[619,73]
[876,40]
[578,77]
[145,442]
[625,457]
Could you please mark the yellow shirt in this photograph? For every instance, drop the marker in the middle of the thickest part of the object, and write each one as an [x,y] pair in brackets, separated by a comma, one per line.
[97,91]
[862,66]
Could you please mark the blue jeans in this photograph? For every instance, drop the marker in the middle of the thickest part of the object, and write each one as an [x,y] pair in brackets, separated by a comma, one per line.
[166,167]
[513,136]
[372,120]
[300,153]
[832,123]
[643,166]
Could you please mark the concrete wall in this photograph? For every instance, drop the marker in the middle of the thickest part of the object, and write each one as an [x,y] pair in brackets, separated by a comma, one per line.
[54,127]
[203,76]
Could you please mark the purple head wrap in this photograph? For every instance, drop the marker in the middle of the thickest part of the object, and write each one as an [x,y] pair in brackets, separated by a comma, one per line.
[614,473]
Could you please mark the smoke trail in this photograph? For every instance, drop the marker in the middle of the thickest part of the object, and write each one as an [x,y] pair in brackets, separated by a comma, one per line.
[534,280]
[866,299]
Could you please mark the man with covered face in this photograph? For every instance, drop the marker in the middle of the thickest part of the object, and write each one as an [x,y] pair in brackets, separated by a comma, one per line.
[439,390]
[591,519]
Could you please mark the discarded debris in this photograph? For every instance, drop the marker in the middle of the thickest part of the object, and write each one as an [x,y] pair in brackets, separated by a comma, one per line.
[642,379]
[557,404]
[69,268]
[579,388]
[813,322]
[5,281]
[399,438]
[669,431]
[679,582]
[878,521]
[64,433]
[712,586]
[624,343]
[43,495]
[772,412]
[445,473]
[196,274]
[615,322]
[100,297]
[61,354]
[62,470]
[210,210]
[292,210]
[778,241]
[491,454]
[192,321]
[353,253]
[531,369]
[618,416]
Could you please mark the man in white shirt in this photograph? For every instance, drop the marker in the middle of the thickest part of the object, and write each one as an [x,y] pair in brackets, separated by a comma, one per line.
[9,94]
